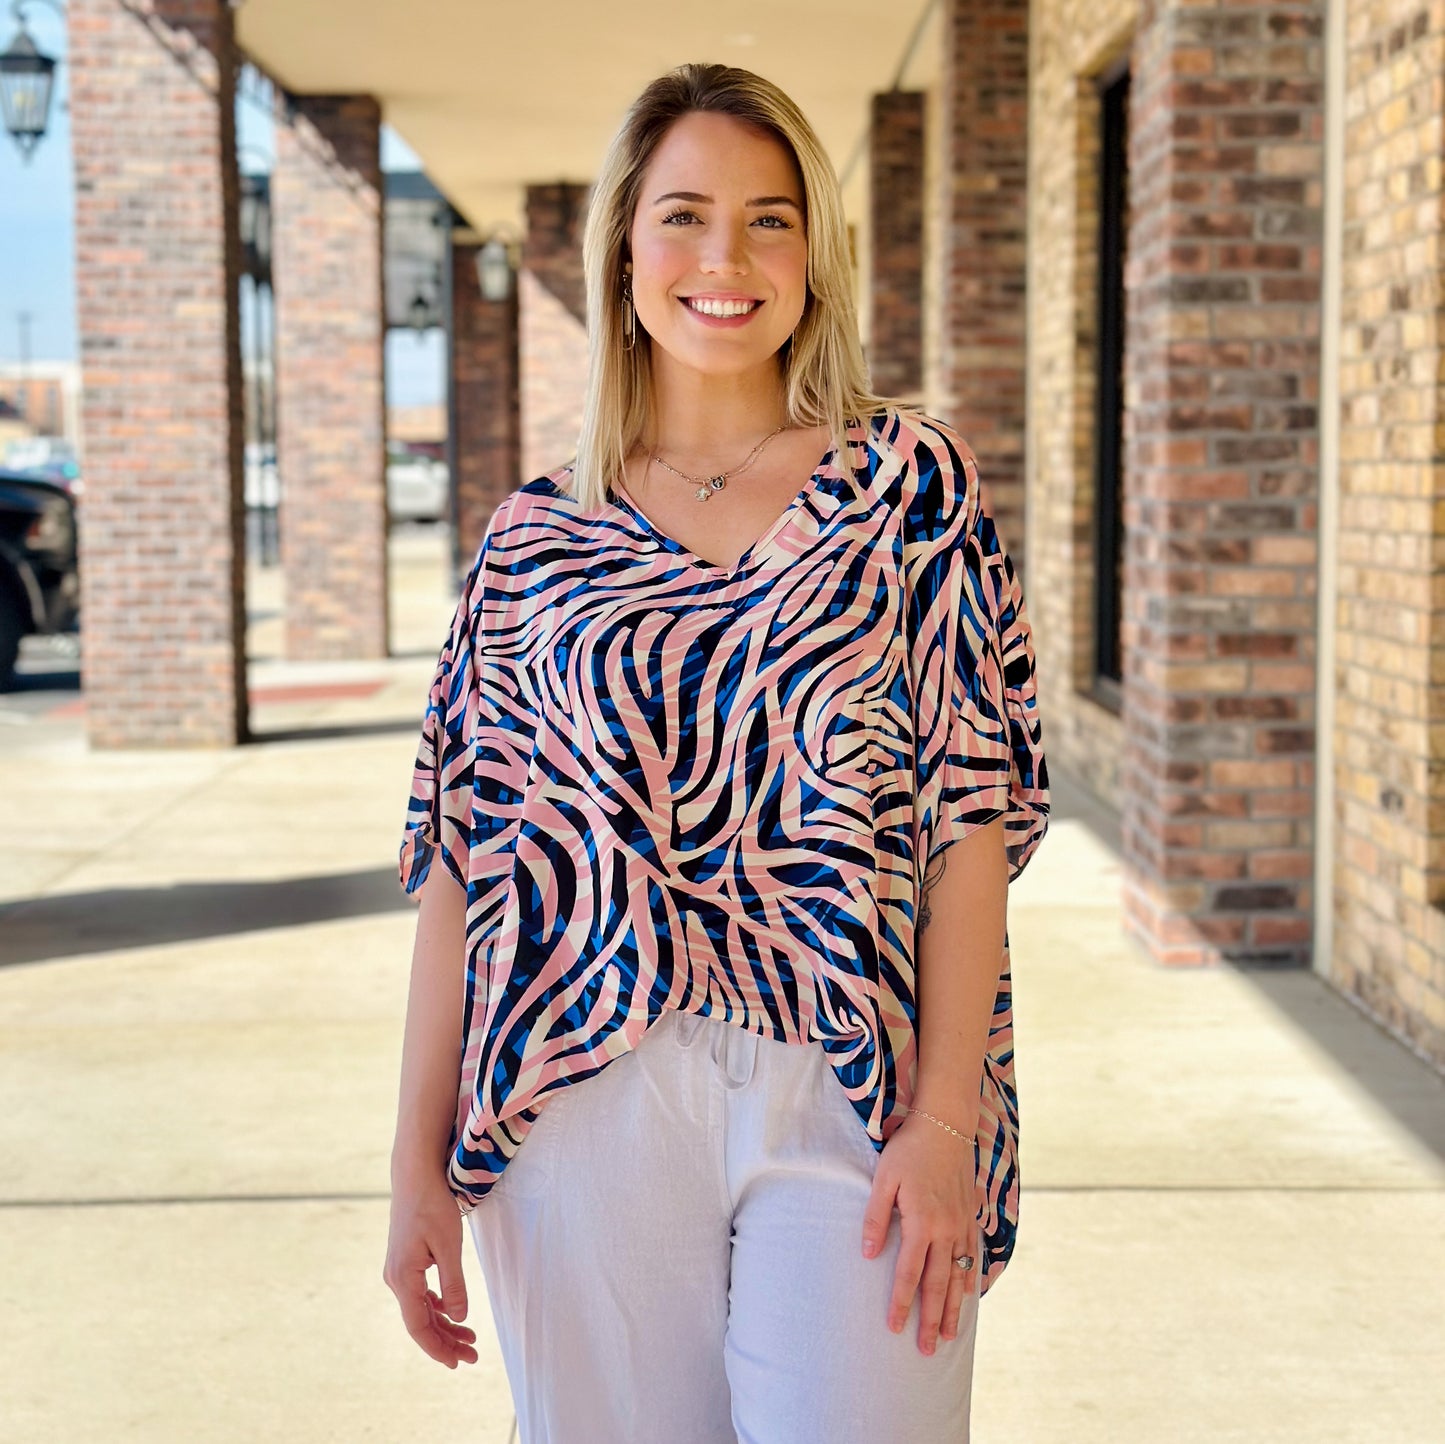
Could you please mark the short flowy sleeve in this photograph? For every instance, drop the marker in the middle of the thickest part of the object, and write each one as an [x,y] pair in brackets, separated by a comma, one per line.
[438,812]
[980,745]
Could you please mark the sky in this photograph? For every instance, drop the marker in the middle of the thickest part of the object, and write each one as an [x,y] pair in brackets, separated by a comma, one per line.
[37,243]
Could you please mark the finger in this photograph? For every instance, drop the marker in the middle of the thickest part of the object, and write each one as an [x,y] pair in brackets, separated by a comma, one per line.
[451,1330]
[934,1293]
[878,1214]
[911,1257]
[449,1270]
[438,1340]
[958,1285]
[416,1314]
[974,1277]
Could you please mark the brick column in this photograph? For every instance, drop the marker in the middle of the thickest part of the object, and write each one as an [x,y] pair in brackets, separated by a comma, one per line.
[984,108]
[1388,787]
[484,382]
[895,201]
[553,325]
[1221,379]
[157,264]
[330,403]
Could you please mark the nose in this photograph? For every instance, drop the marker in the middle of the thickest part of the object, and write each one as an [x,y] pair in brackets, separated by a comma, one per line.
[725,250]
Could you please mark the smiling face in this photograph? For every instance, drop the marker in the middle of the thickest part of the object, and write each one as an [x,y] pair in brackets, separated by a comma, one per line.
[719,246]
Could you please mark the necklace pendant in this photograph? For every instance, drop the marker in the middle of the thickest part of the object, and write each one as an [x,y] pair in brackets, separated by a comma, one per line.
[718,482]
[702,493]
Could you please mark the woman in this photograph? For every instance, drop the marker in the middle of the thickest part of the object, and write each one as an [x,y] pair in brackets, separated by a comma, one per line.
[707,1039]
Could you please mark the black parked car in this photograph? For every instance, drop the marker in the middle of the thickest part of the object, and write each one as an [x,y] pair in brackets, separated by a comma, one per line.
[39,580]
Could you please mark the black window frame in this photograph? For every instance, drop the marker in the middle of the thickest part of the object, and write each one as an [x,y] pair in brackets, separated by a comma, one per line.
[1108,521]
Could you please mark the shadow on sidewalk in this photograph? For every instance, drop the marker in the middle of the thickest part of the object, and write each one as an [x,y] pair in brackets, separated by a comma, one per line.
[335,731]
[1339,1025]
[37,930]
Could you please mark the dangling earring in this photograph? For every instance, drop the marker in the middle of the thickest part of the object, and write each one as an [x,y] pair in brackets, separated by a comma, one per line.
[629,314]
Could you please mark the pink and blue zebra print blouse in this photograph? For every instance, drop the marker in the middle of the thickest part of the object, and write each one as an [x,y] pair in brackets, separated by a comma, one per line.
[666,784]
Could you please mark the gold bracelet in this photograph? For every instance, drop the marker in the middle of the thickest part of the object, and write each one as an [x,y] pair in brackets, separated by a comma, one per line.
[938,1121]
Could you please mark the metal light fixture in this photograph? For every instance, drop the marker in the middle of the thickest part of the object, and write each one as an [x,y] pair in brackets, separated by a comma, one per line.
[256,225]
[424,310]
[26,79]
[494,269]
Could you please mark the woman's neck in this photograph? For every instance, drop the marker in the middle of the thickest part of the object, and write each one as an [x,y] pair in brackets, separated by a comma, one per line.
[712,419]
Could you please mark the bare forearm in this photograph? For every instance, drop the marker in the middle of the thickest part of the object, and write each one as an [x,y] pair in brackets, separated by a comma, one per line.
[959,949]
[431,1044]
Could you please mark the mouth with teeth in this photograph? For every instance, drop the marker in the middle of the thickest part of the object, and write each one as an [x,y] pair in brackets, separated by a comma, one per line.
[715,309]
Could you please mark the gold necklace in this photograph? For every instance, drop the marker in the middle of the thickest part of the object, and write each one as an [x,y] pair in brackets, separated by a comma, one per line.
[706,485]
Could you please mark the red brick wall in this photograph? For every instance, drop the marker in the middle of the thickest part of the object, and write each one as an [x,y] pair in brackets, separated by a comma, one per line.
[39,401]
[327,244]
[1074,42]
[485,381]
[1221,377]
[895,346]
[157,261]
[553,325]
[1388,783]
[984,109]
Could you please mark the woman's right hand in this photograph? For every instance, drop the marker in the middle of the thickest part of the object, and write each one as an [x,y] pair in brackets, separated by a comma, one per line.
[426,1229]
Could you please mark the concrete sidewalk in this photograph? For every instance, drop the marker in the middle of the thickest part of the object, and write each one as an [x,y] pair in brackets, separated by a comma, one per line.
[1233,1212]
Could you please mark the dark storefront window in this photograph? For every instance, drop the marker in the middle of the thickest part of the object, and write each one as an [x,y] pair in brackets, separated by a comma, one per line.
[1109,418]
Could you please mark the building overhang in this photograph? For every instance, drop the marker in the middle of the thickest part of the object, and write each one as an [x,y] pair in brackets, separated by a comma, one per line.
[495,97]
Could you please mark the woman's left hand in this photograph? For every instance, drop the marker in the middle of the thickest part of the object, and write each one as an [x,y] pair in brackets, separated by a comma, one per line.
[930,1174]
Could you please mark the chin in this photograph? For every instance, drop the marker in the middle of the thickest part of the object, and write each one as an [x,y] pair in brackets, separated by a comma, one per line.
[722,360]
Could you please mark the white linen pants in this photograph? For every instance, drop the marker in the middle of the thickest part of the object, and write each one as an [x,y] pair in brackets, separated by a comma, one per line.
[674,1256]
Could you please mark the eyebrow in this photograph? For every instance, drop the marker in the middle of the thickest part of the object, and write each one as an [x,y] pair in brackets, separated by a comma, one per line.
[699,199]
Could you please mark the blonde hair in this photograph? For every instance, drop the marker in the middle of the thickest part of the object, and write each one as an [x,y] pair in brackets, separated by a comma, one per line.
[824,371]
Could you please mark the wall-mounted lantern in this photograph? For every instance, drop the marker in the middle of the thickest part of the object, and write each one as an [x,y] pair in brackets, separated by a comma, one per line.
[256,226]
[424,309]
[495,267]
[27,77]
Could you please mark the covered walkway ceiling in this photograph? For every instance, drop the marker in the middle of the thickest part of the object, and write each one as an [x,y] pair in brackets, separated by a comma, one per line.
[495,96]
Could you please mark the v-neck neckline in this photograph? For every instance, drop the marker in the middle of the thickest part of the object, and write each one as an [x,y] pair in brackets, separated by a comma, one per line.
[828,465]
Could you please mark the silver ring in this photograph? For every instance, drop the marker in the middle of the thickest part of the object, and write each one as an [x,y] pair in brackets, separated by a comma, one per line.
[964,1260]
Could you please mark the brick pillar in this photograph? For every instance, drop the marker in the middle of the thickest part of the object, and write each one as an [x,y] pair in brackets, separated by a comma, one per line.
[1388,787]
[984,110]
[330,402]
[553,325]
[1221,379]
[484,382]
[157,264]
[895,200]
